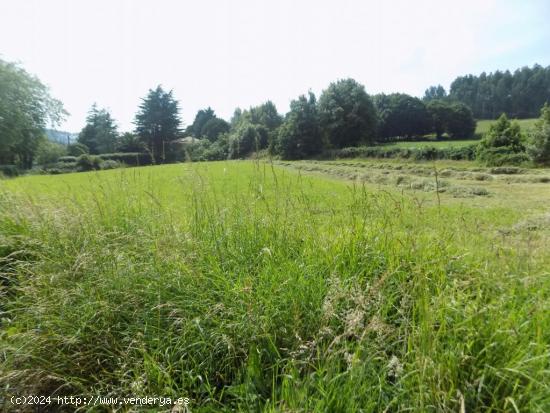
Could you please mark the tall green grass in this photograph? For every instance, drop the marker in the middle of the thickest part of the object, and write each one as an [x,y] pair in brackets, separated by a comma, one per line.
[249,288]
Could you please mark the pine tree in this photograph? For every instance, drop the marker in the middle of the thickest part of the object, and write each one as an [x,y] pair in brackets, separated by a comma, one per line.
[158,122]
[100,133]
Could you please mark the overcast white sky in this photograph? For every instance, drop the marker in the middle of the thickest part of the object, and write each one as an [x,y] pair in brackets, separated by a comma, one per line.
[228,54]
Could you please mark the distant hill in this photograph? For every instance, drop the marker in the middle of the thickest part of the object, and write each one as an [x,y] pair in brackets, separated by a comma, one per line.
[61,136]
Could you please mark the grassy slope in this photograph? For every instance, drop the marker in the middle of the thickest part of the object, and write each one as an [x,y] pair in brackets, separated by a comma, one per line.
[248,288]
[481,129]
[431,144]
[483,125]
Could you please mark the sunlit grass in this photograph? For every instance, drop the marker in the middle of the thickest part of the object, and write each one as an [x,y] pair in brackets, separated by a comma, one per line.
[250,287]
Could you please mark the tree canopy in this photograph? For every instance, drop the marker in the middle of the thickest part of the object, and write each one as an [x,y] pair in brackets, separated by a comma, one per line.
[208,125]
[26,108]
[201,118]
[300,134]
[401,115]
[520,94]
[435,92]
[347,114]
[453,118]
[100,133]
[158,121]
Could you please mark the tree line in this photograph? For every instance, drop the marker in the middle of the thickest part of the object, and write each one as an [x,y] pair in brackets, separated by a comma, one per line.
[343,116]
[520,94]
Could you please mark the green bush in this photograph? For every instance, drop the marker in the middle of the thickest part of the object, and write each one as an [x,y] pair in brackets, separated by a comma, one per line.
[88,163]
[426,154]
[49,152]
[419,154]
[128,158]
[77,149]
[500,156]
[9,170]
[110,164]
[67,159]
[61,168]
[503,144]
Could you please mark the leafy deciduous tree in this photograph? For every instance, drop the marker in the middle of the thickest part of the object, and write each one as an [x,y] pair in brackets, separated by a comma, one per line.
[453,118]
[26,108]
[401,115]
[214,128]
[300,134]
[201,118]
[347,114]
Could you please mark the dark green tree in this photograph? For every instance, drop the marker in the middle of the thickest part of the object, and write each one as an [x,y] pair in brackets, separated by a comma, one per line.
[100,133]
[401,115]
[440,113]
[201,118]
[453,118]
[460,123]
[266,115]
[247,138]
[158,121]
[519,94]
[300,134]
[26,108]
[347,114]
[214,128]
[129,142]
[435,93]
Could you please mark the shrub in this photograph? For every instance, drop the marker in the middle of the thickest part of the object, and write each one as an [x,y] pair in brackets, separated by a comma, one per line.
[248,138]
[428,153]
[503,144]
[9,170]
[48,152]
[88,163]
[110,164]
[77,149]
[67,159]
[504,155]
[197,150]
[61,167]
[423,154]
[128,158]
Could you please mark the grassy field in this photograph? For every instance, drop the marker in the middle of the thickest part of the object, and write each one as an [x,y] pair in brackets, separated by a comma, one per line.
[481,128]
[326,286]
[432,144]
[483,125]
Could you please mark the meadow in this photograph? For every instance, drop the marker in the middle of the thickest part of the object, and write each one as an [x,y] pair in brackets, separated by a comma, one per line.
[482,127]
[447,143]
[308,286]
